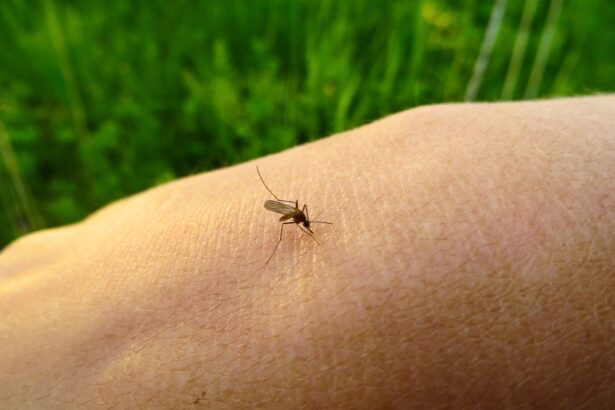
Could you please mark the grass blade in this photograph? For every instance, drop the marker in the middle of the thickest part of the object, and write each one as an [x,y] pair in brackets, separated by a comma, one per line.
[26,208]
[514,68]
[544,48]
[495,22]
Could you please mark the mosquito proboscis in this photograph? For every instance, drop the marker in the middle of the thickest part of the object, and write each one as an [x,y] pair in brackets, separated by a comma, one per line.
[300,217]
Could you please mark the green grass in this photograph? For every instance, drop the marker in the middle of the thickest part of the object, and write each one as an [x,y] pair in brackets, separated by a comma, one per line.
[101,99]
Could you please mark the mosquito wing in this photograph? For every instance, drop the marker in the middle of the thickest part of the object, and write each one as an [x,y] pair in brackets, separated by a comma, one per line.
[280,208]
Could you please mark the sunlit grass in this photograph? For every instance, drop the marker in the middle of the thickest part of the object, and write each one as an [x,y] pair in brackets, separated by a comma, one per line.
[102,99]
[17,199]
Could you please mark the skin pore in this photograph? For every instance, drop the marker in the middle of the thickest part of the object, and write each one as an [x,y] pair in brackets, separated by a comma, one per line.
[470,264]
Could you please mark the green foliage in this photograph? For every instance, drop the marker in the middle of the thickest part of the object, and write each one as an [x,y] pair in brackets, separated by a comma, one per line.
[100,99]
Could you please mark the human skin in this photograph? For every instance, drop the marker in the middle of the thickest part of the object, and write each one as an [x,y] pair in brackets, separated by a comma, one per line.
[470,264]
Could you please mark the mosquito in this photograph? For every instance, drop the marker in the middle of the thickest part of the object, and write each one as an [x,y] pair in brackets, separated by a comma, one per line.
[300,217]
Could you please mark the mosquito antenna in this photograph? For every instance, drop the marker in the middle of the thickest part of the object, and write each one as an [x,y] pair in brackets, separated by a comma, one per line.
[263,181]
[320,222]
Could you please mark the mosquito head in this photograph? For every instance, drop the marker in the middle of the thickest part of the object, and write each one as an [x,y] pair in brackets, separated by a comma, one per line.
[306,223]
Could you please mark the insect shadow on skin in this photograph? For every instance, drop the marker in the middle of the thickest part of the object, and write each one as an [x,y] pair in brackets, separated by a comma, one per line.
[300,217]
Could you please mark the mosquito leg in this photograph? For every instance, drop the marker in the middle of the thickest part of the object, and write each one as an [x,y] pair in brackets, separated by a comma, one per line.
[279,240]
[305,211]
[271,192]
[309,233]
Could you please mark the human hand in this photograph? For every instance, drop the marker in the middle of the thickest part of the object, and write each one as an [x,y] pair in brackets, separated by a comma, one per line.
[470,264]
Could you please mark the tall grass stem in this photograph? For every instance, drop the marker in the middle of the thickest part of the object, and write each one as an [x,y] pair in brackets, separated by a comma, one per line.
[480,66]
[520,47]
[25,205]
[66,67]
[544,49]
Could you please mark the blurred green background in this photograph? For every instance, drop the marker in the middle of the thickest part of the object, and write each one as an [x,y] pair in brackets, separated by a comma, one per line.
[101,99]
